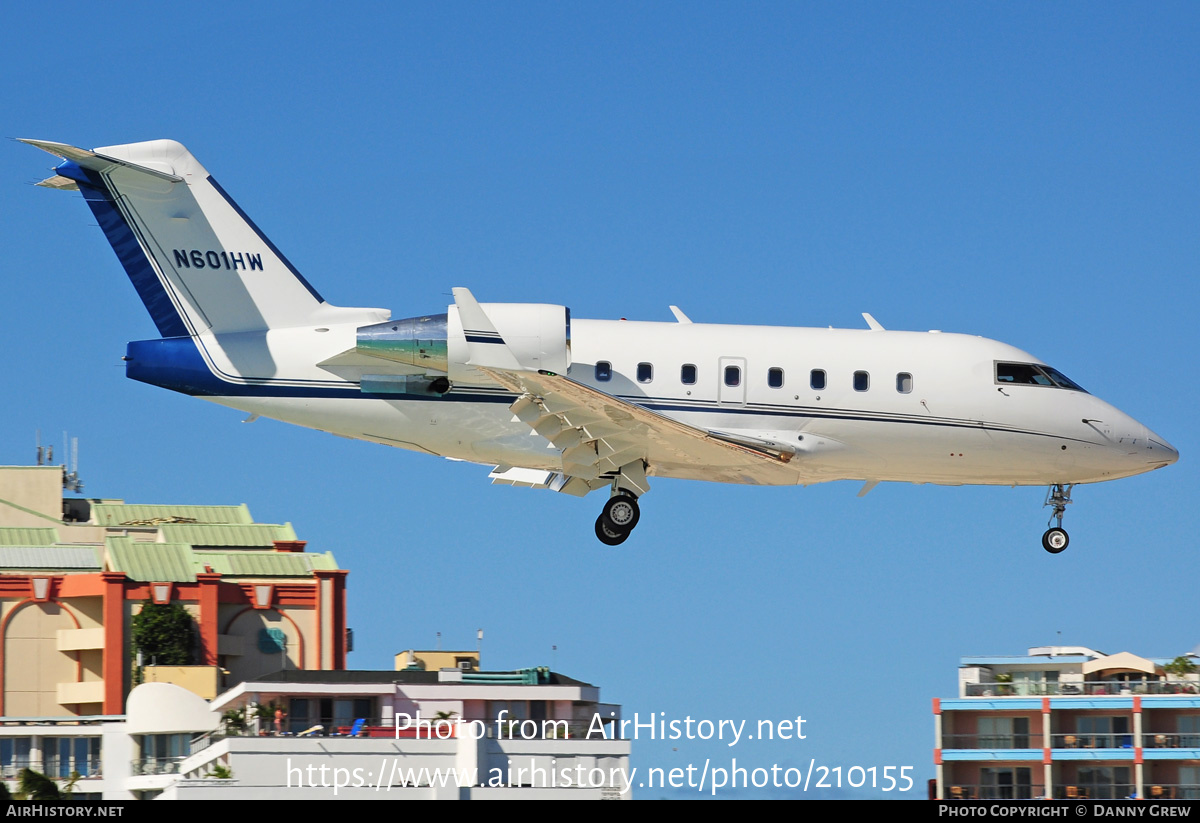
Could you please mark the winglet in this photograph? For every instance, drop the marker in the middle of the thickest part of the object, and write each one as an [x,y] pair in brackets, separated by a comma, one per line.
[679,315]
[872,322]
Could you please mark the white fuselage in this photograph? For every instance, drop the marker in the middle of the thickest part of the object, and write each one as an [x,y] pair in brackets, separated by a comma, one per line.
[926,407]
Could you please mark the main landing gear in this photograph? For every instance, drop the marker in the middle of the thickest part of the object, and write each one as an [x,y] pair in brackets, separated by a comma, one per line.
[1055,539]
[617,519]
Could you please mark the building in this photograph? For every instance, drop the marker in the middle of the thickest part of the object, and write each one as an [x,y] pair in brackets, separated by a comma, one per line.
[267,709]
[74,573]
[527,734]
[435,659]
[1070,722]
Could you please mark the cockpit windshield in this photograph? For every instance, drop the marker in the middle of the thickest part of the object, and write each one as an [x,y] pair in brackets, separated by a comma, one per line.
[1033,374]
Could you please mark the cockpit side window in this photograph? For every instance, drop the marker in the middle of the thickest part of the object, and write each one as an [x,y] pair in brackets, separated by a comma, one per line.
[1032,374]
[1062,380]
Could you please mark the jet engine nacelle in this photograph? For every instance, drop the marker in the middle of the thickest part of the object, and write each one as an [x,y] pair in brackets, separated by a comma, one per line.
[538,335]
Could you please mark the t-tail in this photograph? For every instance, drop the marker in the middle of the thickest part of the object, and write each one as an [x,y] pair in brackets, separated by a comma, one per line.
[202,267]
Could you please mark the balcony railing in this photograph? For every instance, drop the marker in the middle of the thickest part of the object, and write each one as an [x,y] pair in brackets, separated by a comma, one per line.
[963,791]
[431,729]
[1171,740]
[59,768]
[1167,791]
[1072,740]
[1089,688]
[1155,791]
[157,765]
[992,741]
[13,768]
[52,767]
[1084,740]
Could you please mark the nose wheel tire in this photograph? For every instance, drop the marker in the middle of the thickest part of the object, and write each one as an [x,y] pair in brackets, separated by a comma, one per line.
[621,513]
[1055,540]
[606,534]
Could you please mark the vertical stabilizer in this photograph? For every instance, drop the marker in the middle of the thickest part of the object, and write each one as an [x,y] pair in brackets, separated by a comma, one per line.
[197,261]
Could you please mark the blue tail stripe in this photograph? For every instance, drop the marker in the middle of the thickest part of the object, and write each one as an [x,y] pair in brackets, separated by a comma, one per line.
[133,259]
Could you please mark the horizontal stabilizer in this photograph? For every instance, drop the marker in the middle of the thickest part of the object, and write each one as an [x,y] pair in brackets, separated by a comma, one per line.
[59,182]
[99,162]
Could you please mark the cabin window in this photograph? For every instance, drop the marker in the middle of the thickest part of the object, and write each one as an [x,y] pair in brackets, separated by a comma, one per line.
[733,376]
[687,375]
[603,371]
[862,381]
[816,379]
[645,372]
[775,378]
[904,382]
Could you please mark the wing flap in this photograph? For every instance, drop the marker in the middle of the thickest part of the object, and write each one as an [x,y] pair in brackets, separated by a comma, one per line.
[599,434]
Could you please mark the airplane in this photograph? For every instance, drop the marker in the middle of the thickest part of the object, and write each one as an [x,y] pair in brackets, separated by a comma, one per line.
[579,405]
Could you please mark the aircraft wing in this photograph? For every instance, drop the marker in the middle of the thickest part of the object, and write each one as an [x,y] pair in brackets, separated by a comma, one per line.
[598,434]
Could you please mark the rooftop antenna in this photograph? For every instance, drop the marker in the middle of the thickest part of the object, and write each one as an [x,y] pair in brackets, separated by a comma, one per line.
[71,481]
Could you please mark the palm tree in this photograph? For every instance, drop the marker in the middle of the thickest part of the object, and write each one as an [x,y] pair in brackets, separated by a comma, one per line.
[36,786]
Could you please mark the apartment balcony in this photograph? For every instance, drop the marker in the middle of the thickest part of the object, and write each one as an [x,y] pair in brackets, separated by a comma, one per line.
[156,765]
[1170,740]
[963,791]
[992,742]
[79,640]
[1089,688]
[91,691]
[1087,740]
[1177,791]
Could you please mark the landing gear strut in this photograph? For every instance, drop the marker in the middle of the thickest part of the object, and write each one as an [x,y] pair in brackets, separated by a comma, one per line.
[1055,539]
[617,519]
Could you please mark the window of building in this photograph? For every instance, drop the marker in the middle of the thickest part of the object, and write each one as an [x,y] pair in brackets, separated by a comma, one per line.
[733,376]
[1103,732]
[862,381]
[904,382]
[687,375]
[64,755]
[1188,726]
[775,378]
[1006,783]
[1003,732]
[162,753]
[645,372]
[14,755]
[1103,783]
[603,371]
[816,379]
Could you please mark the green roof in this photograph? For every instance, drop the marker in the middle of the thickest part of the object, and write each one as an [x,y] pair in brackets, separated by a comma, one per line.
[124,514]
[151,562]
[264,564]
[13,536]
[51,558]
[179,562]
[258,534]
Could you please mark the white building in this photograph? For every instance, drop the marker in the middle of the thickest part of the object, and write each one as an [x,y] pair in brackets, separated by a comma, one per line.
[445,734]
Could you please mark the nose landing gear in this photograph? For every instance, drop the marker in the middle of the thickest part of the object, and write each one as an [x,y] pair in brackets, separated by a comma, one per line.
[617,519]
[1055,539]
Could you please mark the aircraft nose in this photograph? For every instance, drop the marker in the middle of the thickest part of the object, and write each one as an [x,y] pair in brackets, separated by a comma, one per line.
[1159,450]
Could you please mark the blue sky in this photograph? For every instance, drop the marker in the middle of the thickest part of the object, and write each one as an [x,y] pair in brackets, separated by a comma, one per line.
[1026,172]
